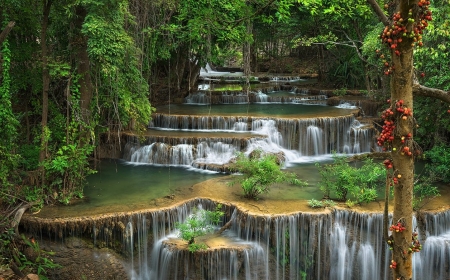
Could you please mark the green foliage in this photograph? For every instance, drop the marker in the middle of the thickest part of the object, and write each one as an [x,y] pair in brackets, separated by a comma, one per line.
[8,122]
[347,71]
[329,203]
[6,241]
[423,191]
[434,122]
[438,162]
[67,171]
[33,194]
[433,58]
[9,252]
[346,181]
[340,92]
[259,173]
[199,223]
[314,203]
[194,247]
[29,155]
[350,203]
[41,264]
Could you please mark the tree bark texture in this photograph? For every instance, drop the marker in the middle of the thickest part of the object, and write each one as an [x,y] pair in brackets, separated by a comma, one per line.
[83,66]
[46,4]
[6,31]
[403,164]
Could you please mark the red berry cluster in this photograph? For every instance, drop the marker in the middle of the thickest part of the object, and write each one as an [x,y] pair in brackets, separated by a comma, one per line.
[397,228]
[395,179]
[406,151]
[392,35]
[405,111]
[405,29]
[387,134]
[393,264]
[388,163]
[387,69]
[406,137]
[415,245]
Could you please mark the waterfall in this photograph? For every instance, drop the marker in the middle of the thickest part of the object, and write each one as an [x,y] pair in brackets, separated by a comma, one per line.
[198,98]
[240,259]
[433,262]
[332,244]
[261,97]
[314,144]
[294,138]
[285,79]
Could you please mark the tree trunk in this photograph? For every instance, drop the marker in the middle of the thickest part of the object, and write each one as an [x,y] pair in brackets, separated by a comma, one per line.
[83,67]
[6,31]
[403,164]
[400,37]
[46,4]
[194,72]
[401,89]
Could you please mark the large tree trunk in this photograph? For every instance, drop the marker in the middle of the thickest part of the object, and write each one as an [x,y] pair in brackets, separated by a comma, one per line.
[400,124]
[46,4]
[401,89]
[403,162]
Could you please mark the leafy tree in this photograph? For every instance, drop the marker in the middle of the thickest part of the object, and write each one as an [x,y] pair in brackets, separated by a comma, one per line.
[338,33]
[259,173]
[199,223]
[8,121]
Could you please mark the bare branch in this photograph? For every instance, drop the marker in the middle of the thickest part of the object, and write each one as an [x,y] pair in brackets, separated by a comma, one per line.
[379,12]
[419,90]
[5,31]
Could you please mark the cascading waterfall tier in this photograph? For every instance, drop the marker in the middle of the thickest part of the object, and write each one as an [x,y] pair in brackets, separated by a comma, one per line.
[295,138]
[262,96]
[334,244]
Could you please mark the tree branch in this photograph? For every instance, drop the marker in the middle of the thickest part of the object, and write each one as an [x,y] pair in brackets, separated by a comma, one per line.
[226,226]
[18,216]
[379,12]
[419,90]
[5,31]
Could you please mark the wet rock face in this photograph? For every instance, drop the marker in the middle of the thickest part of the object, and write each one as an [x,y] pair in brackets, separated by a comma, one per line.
[81,260]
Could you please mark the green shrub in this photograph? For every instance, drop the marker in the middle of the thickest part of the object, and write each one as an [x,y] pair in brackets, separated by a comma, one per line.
[329,203]
[424,190]
[313,203]
[259,173]
[345,181]
[350,203]
[439,161]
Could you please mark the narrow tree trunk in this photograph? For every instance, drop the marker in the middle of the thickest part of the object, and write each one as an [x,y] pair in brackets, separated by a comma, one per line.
[46,4]
[6,31]
[194,73]
[83,67]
